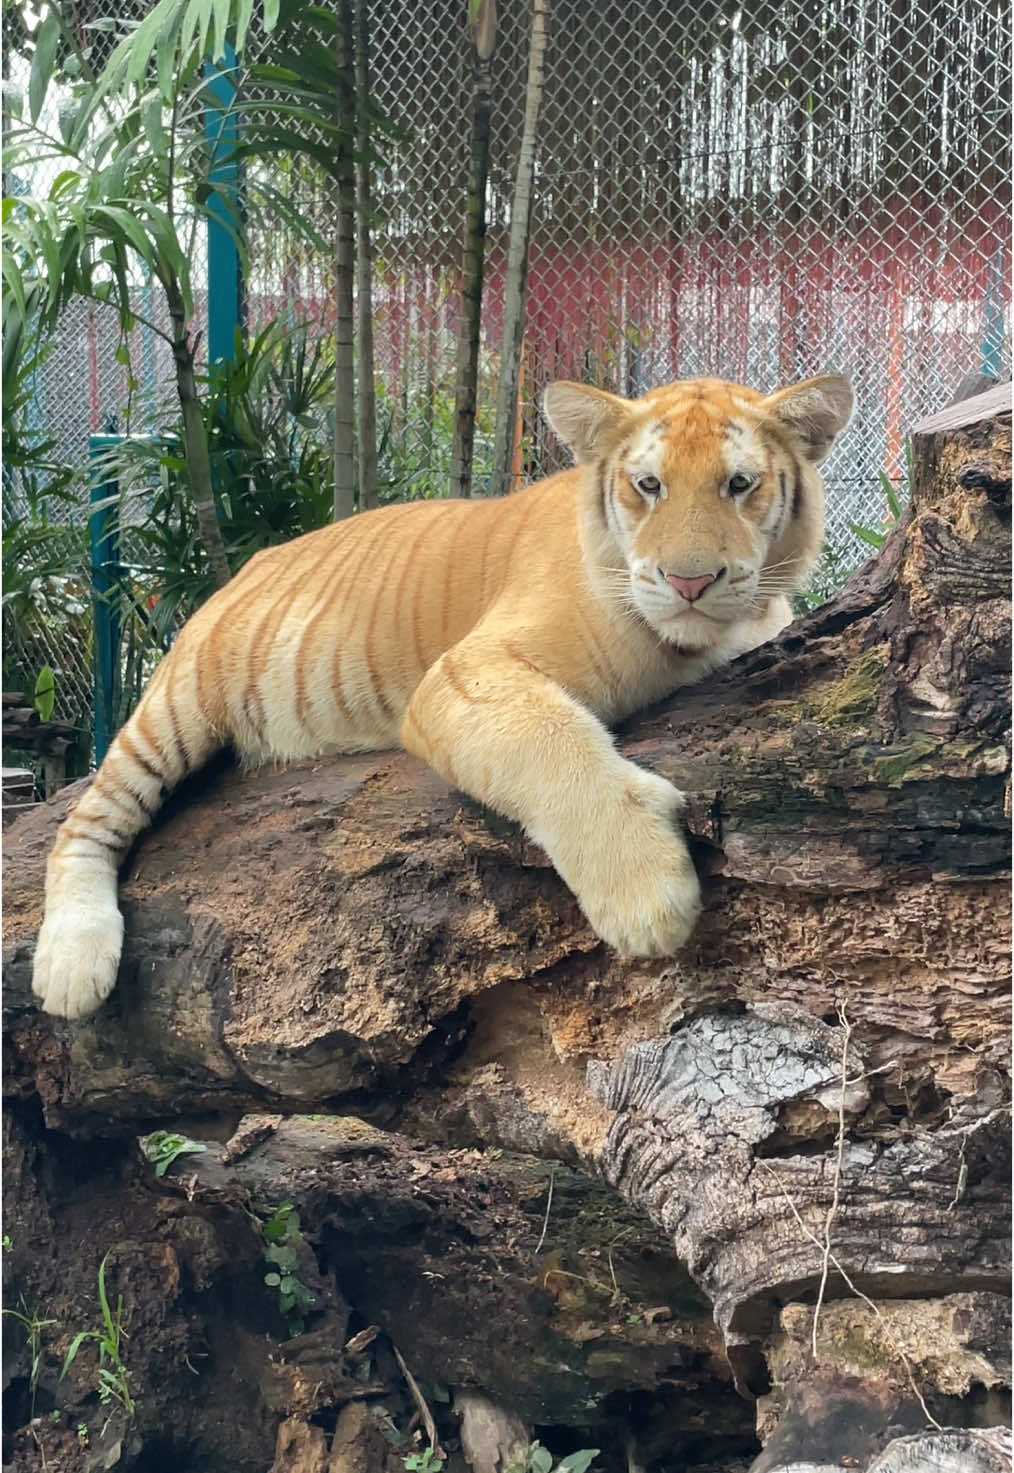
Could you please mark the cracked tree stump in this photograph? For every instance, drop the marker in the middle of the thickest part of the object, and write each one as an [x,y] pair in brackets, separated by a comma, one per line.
[350,935]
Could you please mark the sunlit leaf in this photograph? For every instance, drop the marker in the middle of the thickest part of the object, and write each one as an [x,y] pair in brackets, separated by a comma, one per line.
[45,693]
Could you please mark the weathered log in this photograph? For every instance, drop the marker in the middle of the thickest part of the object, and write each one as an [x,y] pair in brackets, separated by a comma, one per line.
[829,1058]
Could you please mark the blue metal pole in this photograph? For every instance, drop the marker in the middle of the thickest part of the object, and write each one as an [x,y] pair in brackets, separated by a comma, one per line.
[225,284]
[105,560]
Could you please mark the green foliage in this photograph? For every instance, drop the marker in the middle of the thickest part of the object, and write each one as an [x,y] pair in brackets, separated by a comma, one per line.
[33,1326]
[112,1376]
[45,693]
[6,1243]
[538,1459]
[876,536]
[129,143]
[162,1148]
[415,442]
[282,1236]
[43,555]
[130,162]
[428,1461]
[265,415]
[831,573]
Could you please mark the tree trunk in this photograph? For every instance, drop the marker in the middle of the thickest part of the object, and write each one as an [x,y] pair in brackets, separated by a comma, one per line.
[366,402]
[195,439]
[516,289]
[807,1106]
[473,258]
[345,278]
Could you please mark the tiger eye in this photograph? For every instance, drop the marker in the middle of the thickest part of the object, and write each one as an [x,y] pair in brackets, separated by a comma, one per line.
[740,483]
[648,485]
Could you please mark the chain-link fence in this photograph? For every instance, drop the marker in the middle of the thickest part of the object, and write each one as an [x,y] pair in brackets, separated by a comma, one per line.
[758,193]
[755,193]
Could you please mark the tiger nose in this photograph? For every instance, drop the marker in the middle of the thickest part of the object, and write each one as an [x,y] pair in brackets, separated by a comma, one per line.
[691,588]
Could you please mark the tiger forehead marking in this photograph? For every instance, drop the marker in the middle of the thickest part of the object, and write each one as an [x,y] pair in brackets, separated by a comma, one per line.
[681,448]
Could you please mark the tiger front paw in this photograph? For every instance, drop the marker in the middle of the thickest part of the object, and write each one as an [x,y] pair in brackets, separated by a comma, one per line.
[639,888]
[77,957]
[652,916]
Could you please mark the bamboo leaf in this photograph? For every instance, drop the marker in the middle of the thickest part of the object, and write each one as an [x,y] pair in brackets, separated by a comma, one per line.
[62,182]
[46,43]
[15,285]
[151,122]
[121,225]
[46,246]
[165,65]
[221,21]
[244,16]
[868,535]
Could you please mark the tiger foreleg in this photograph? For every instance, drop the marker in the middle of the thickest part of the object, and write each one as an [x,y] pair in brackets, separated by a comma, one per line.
[496,727]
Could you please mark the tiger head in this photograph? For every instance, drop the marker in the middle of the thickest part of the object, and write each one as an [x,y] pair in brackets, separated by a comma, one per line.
[703,500]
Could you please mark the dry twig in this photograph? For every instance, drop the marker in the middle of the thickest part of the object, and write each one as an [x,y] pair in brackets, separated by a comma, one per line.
[420,1401]
[832,1211]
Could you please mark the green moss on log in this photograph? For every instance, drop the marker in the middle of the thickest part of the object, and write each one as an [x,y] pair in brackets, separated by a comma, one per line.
[853,697]
[902,765]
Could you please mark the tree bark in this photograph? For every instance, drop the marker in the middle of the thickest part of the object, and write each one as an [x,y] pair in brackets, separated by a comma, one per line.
[366,401]
[808,1104]
[473,259]
[516,288]
[345,278]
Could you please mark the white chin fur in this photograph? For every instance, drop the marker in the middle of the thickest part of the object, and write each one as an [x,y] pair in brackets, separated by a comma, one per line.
[690,631]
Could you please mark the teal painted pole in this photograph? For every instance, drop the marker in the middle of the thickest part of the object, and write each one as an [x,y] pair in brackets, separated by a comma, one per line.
[105,559]
[225,283]
[993,332]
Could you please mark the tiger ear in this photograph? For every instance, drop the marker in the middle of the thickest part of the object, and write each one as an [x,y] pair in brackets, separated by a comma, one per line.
[584,418]
[815,411]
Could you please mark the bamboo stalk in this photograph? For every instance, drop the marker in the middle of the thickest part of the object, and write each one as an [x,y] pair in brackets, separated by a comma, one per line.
[517,261]
[195,437]
[474,256]
[345,274]
[366,401]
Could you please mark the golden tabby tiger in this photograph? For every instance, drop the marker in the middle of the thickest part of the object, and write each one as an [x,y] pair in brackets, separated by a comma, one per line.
[495,639]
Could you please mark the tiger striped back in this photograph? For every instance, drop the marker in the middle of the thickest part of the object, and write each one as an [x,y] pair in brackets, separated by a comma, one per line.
[495,639]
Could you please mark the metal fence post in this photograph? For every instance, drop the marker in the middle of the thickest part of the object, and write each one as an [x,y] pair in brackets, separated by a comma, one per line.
[104,538]
[994,334]
[225,281]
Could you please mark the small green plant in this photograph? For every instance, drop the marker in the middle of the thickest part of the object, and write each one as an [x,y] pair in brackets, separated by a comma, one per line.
[877,536]
[113,1383]
[282,1235]
[538,1459]
[5,1243]
[82,1434]
[33,1326]
[162,1148]
[832,572]
[428,1461]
